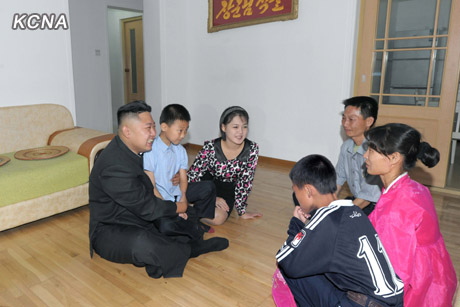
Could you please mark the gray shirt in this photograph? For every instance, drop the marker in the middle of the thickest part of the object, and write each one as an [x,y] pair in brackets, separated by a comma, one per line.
[351,168]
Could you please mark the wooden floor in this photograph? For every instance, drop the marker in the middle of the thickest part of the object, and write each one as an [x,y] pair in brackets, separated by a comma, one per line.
[47,263]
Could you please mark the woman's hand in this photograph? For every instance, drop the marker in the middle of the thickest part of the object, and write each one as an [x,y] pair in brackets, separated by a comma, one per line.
[300,214]
[222,204]
[251,215]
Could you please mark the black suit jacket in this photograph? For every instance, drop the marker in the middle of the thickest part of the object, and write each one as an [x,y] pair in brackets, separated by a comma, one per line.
[121,193]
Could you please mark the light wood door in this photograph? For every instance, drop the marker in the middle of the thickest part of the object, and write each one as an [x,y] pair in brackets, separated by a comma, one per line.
[133,53]
[408,59]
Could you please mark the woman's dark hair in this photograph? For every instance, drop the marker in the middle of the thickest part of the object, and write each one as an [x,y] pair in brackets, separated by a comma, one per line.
[132,109]
[404,139]
[317,171]
[228,115]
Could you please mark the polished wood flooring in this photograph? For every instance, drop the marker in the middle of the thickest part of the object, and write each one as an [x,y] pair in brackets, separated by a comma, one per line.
[453,171]
[47,263]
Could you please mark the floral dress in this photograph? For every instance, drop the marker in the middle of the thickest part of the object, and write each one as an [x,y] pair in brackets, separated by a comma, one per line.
[211,162]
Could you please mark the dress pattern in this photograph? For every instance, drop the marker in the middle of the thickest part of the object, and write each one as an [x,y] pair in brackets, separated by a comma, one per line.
[240,170]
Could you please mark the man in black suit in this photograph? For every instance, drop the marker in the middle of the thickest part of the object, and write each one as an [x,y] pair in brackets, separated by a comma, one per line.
[124,210]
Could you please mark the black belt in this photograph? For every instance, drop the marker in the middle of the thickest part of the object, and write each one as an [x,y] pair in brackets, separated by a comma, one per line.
[362,299]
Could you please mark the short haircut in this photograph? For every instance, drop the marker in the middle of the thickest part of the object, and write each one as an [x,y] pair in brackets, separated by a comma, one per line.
[228,115]
[132,109]
[317,171]
[391,138]
[368,106]
[174,112]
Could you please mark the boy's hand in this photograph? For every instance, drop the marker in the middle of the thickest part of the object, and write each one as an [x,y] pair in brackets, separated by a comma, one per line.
[222,204]
[183,215]
[175,179]
[181,207]
[300,214]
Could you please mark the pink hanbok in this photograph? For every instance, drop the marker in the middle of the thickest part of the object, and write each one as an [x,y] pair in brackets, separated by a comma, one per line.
[407,224]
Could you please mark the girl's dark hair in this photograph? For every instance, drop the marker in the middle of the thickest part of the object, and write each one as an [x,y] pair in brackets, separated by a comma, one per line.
[316,170]
[404,139]
[228,115]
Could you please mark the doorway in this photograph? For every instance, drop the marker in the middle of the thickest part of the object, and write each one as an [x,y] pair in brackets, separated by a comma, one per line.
[117,74]
[408,60]
[133,55]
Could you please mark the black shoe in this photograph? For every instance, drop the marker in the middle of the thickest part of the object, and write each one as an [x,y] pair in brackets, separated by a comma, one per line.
[205,246]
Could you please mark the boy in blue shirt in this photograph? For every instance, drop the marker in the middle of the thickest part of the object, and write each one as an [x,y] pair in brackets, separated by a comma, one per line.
[168,158]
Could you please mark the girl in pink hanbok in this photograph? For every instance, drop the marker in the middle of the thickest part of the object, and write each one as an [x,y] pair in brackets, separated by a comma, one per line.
[405,217]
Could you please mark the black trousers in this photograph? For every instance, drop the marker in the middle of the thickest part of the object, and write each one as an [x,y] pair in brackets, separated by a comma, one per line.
[144,247]
[203,197]
[317,290]
[225,190]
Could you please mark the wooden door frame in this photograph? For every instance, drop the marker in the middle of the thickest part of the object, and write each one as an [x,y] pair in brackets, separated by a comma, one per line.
[123,43]
[363,76]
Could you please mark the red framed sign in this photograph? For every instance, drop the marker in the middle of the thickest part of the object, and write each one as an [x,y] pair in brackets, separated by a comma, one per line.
[227,14]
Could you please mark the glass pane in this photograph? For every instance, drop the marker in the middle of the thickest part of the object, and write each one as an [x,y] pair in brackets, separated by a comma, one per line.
[441,42]
[444,15]
[376,98]
[407,90]
[410,43]
[412,18]
[433,102]
[132,36]
[437,70]
[382,18]
[379,45]
[406,101]
[377,72]
[407,72]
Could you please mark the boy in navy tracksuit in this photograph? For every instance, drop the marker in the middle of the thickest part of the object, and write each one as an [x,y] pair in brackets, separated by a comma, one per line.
[333,255]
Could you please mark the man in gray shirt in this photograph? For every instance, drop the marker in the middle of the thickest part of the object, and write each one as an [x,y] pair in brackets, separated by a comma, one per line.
[359,116]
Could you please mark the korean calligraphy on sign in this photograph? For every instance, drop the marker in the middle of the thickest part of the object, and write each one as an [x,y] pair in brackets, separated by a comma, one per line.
[227,14]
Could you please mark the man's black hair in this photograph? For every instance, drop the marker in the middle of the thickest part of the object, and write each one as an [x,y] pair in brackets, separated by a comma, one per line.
[368,106]
[174,112]
[317,171]
[132,109]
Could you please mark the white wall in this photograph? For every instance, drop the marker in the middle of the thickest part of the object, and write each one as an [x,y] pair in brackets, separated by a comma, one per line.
[35,65]
[88,21]
[290,76]
[116,58]
[153,29]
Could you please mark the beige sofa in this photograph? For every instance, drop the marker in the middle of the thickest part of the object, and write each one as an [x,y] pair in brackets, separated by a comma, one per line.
[32,126]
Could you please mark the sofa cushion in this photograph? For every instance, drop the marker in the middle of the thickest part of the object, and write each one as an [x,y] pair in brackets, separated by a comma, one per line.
[22,180]
[30,126]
